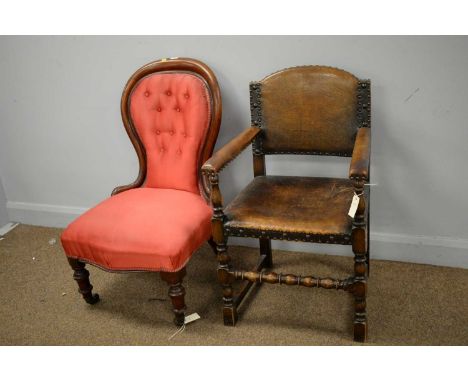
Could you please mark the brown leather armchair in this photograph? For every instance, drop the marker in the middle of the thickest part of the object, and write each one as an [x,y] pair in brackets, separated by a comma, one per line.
[312,110]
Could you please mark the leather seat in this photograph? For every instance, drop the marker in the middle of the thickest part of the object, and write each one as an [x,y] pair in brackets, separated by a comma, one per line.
[290,204]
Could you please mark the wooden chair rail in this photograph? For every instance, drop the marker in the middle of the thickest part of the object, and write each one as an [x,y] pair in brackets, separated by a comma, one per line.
[290,279]
[262,263]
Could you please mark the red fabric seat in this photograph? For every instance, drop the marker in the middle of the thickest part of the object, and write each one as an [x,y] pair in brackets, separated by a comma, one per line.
[150,229]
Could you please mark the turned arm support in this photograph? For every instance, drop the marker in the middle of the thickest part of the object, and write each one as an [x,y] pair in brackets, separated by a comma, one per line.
[359,173]
[229,151]
[211,169]
[217,162]
[360,160]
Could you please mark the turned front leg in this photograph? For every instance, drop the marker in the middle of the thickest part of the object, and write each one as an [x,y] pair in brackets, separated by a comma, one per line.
[359,243]
[224,260]
[176,293]
[212,244]
[226,279]
[81,276]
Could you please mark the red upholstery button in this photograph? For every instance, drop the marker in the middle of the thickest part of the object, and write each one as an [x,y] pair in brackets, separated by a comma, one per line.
[158,109]
[178,109]
[147,93]
[186,95]
[185,135]
[171,132]
[158,132]
[179,151]
[168,93]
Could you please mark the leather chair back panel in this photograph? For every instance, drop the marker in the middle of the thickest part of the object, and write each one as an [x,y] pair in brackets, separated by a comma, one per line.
[309,110]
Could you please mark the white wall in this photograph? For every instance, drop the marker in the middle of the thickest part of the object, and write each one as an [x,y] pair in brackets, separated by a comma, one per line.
[63,147]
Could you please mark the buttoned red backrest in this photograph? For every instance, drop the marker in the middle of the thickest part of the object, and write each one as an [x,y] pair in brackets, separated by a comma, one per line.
[171,113]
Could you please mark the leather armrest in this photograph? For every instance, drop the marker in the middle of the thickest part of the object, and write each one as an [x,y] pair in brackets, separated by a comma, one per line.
[359,167]
[230,150]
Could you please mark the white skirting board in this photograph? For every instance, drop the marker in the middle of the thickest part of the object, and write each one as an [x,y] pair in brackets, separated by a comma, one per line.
[444,251]
[7,228]
[46,215]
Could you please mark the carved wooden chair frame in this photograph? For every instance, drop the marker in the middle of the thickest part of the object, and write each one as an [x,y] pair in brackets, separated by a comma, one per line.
[359,174]
[195,67]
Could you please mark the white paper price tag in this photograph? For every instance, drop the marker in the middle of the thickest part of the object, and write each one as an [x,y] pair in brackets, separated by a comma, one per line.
[191,317]
[354,205]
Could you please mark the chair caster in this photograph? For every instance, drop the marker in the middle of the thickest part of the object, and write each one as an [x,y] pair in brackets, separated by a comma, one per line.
[92,299]
[179,320]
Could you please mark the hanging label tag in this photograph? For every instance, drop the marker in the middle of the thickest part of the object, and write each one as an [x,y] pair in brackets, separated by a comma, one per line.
[191,317]
[188,319]
[354,205]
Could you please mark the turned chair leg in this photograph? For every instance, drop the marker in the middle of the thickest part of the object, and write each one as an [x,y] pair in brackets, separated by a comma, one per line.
[224,260]
[265,249]
[176,293]
[360,248]
[212,244]
[360,315]
[360,291]
[225,279]
[81,276]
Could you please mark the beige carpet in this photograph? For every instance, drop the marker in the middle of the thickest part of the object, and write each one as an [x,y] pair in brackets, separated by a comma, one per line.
[39,304]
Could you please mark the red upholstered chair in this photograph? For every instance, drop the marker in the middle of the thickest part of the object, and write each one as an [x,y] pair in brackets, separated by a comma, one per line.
[171,110]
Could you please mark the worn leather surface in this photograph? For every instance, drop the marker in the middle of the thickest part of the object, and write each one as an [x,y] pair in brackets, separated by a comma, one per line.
[310,109]
[293,204]
[230,150]
[359,167]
